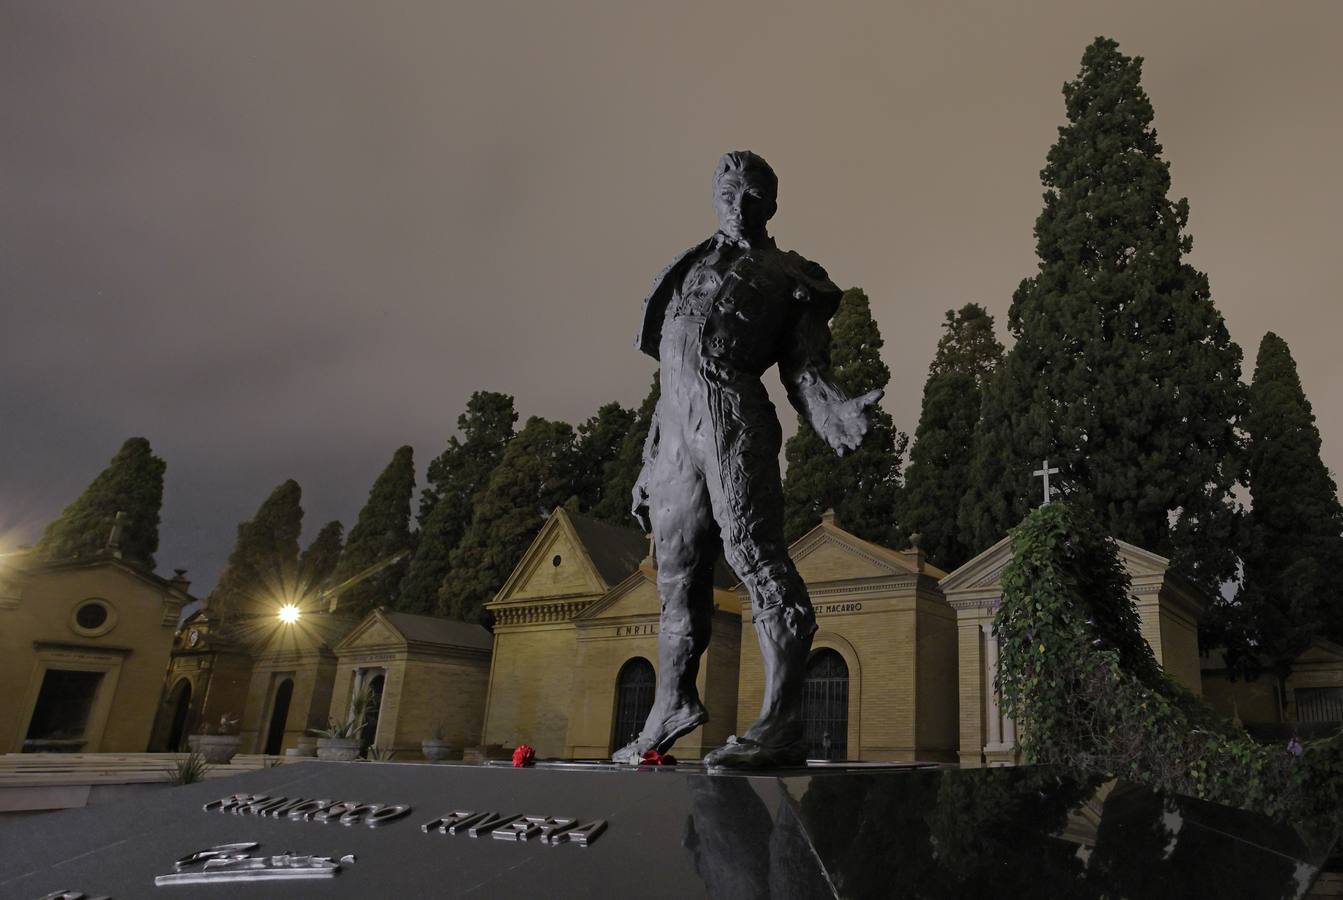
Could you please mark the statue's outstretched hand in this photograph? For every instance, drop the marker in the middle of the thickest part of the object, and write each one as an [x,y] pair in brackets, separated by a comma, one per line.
[844,428]
[639,502]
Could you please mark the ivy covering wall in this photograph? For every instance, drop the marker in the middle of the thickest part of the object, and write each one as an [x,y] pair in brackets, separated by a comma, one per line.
[1088,694]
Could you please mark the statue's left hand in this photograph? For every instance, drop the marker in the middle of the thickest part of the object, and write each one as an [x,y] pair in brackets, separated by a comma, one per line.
[847,423]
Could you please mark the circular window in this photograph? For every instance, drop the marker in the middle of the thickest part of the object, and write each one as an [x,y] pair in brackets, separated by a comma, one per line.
[92,618]
[556,561]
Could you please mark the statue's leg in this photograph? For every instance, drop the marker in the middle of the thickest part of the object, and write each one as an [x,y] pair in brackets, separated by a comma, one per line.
[747,493]
[686,542]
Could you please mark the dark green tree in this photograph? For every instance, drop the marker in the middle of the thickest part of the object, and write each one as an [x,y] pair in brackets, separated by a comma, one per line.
[261,574]
[132,484]
[319,560]
[1122,373]
[536,475]
[600,440]
[939,463]
[382,530]
[624,468]
[455,478]
[1292,542]
[460,470]
[861,486]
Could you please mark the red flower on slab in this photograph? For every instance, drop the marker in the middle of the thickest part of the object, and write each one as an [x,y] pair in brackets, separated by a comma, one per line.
[524,756]
[654,758]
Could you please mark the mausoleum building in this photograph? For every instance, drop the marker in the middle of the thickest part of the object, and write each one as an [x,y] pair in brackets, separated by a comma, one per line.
[1169,610]
[83,647]
[428,676]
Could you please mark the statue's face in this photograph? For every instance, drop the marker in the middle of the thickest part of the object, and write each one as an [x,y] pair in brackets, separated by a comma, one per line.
[743,206]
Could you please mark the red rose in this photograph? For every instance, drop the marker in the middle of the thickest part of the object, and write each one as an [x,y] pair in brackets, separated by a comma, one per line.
[654,758]
[523,756]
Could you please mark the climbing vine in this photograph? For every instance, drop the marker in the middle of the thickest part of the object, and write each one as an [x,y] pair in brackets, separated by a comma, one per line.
[1088,694]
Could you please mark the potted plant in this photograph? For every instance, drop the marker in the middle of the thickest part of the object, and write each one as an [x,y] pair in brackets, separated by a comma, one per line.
[435,747]
[340,741]
[217,744]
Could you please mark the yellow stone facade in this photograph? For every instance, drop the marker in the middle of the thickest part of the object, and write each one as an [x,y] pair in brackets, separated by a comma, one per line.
[567,626]
[208,676]
[1169,609]
[434,672]
[293,676]
[83,648]
[882,612]
[1312,694]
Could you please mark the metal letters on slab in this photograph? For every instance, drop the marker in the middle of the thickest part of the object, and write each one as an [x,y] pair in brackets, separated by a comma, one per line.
[231,862]
[718,317]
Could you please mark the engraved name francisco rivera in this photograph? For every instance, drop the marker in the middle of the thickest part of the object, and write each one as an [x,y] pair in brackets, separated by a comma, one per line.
[717,319]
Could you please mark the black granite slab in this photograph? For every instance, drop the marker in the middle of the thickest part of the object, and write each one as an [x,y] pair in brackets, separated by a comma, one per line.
[680,832]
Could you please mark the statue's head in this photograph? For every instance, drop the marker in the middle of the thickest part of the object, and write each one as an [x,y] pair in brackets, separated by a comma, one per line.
[744,192]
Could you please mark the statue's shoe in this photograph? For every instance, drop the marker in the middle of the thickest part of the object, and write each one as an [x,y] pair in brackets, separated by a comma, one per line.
[744,753]
[682,722]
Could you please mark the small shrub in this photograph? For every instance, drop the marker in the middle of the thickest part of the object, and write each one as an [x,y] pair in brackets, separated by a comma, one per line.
[189,770]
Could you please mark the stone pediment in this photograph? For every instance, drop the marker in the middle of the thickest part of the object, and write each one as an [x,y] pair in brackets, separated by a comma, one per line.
[986,570]
[636,596]
[373,631]
[829,553]
[983,571]
[555,565]
[1142,563]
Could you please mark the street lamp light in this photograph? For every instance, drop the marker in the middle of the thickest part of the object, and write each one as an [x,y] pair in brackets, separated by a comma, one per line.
[289,613]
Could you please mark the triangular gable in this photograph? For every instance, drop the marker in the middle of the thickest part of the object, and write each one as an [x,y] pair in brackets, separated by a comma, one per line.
[981,571]
[829,553]
[1321,651]
[986,569]
[1141,562]
[374,631]
[537,576]
[637,595]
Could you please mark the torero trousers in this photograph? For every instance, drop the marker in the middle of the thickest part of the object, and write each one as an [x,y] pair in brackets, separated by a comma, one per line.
[715,479]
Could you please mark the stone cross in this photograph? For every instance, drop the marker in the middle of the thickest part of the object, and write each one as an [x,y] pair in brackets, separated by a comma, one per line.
[1045,471]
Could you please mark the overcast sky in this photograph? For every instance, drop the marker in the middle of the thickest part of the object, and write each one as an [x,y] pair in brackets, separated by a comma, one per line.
[280,239]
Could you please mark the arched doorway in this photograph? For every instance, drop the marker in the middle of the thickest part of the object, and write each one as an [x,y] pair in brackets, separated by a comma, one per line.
[825,706]
[279,714]
[635,686]
[181,705]
[369,733]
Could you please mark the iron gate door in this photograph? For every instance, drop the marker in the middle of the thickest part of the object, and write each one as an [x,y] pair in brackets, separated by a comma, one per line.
[825,706]
[634,699]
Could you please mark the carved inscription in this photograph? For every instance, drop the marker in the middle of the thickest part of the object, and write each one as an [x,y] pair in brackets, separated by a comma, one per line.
[826,609]
[632,630]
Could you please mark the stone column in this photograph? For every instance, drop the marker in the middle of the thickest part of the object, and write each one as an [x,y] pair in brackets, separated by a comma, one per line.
[994,738]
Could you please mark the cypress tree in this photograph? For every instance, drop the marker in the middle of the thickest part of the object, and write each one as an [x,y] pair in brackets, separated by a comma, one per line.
[455,478]
[619,476]
[319,560]
[383,529]
[461,469]
[939,464]
[536,475]
[1123,373]
[861,486]
[261,572]
[1292,543]
[131,484]
[600,440]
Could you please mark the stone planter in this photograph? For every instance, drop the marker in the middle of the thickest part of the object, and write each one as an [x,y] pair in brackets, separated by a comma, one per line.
[436,751]
[216,748]
[338,749]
